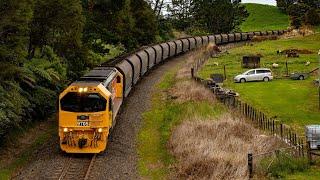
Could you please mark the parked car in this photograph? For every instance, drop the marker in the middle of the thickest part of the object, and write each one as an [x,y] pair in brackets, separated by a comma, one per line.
[299,75]
[259,74]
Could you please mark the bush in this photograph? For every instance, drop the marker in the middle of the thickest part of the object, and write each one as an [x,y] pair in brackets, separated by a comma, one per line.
[102,52]
[28,92]
[297,12]
[281,165]
[312,17]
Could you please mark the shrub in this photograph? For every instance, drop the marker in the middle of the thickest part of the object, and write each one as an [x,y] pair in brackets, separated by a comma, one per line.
[312,17]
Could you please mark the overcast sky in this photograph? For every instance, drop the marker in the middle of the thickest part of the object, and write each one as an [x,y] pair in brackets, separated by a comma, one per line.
[270,2]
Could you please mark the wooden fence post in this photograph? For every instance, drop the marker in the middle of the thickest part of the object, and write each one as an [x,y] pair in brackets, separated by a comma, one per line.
[252,112]
[224,70]
[246,110]
[281,131]
[250,165]
[261,117]
[262,122]
[302,147]
[309,152]
[291,137]
[273,129]
[192,72]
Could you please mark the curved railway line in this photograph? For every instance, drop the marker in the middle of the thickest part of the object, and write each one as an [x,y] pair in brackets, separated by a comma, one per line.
[116,164]
[89,106]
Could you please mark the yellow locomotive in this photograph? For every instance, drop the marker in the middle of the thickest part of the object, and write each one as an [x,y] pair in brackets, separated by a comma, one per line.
[88,107]
[87,110]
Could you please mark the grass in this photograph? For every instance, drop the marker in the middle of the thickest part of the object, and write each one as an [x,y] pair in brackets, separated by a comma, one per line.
[294,102]
[311,174]
[27,154]
[264,17]
[216,148]
[282,165]
[154,158]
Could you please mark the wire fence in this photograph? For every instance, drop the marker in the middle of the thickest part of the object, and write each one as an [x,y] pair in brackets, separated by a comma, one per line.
[296,145]
[258,118]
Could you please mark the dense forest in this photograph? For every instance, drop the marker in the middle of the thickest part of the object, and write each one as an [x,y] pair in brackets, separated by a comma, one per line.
[46,44]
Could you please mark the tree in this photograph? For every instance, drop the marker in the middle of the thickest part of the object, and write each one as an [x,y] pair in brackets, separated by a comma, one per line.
[182,12]
[220,15]
[58,24]
[15,16]
[312,17]
[145,22]
[297,13]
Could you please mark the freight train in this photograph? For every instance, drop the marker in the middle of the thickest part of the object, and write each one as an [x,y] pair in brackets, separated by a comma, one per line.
[89,106]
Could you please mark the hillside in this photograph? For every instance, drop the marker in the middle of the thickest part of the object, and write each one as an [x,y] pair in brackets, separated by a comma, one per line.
[264,17]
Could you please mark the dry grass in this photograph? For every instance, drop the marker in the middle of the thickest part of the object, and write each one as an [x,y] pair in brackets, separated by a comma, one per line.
[216,149]
[189,90]
[186,89]
[303,31]
[199,54]
[263,38]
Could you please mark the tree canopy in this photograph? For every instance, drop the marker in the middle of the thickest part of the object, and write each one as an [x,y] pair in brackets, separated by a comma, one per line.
[301,12]
[208,16]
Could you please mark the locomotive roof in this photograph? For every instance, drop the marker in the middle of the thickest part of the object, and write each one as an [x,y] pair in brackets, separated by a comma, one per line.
[85,83]
[99,74]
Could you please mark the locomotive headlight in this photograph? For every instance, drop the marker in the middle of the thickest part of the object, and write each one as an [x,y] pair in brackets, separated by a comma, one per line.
[100,130]
[85,89]
[80,90]
[65,129]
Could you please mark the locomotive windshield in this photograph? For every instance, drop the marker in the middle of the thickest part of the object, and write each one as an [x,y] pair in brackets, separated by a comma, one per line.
[83,102]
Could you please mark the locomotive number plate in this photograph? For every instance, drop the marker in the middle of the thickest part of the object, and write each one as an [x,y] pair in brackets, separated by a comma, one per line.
[83,123]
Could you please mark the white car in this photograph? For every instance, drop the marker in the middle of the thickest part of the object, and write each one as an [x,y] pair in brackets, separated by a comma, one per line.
[259,74]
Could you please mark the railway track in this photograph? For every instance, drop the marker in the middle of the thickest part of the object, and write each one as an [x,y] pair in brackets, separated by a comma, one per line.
[75,167]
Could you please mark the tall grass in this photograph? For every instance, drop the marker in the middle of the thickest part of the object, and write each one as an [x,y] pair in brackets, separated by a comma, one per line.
[216,148]
[281,165]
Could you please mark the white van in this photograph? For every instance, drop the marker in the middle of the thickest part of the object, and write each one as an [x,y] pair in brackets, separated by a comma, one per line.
[259,74]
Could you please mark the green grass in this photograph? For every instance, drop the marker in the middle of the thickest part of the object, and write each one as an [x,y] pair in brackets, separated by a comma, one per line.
[294,102]
[311,174]
[264,17]
[282,165]
[154,158]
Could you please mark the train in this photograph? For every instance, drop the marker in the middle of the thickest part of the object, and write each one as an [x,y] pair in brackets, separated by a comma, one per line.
[87,108]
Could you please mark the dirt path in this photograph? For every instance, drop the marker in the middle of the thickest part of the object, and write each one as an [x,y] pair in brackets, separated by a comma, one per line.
[120,159]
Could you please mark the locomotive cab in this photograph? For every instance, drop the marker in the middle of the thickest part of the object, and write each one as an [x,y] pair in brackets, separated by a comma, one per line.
[87,110]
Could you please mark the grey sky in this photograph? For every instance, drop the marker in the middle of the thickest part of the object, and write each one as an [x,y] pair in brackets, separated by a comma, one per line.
[270,2]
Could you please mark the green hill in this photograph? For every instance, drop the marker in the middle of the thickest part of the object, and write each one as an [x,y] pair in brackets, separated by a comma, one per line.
[264,17]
